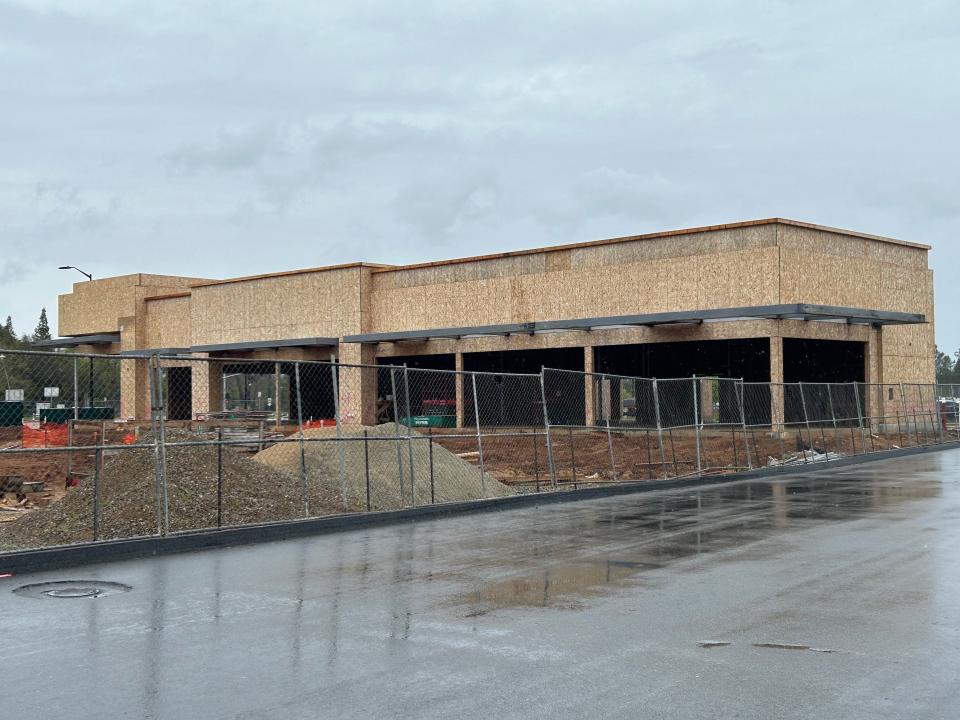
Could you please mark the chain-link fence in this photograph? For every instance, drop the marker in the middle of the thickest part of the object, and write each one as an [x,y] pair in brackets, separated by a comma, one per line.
[95,447]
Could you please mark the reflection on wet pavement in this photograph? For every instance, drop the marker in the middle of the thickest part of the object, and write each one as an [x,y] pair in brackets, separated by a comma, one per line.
[618,542]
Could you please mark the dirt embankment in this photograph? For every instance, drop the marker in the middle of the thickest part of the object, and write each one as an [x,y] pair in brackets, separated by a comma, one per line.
[384,458]
[251,493]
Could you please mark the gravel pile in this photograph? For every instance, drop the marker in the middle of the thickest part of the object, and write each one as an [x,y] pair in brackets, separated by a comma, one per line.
[252,492]
[389,468]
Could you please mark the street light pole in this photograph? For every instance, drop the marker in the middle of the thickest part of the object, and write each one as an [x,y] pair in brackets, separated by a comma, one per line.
[73,267]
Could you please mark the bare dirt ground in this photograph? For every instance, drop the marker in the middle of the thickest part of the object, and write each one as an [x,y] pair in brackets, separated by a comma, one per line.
[584,456]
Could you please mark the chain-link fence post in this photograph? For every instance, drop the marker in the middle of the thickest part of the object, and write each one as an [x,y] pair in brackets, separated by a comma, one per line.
[546,428]
[158,422]
[743,423]
[863,437]
[155,429]
[956,411]
[408,423]
[921,416]
[656,412]
[607,398]
[806,421]
[696,422]
[833,416]
[396,428]
[220,476]
[305,495]
[476,417]
[341,461]
[97,472]
[934,414]
[903,407]
[76,393]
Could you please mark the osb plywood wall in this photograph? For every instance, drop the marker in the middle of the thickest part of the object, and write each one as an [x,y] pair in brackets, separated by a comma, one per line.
[836,269]
[703,270]
[167,323]
[314,304]
[96,306]
[753,265]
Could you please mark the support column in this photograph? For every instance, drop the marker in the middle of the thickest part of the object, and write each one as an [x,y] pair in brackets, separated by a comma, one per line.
[706,401]
[134,390]
[357,385]
[206,386]
[608,413]
[776,384]
[458,381]
[875,407]
[588,394]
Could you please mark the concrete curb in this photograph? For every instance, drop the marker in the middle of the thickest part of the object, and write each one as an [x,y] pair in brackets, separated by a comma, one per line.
[25,561]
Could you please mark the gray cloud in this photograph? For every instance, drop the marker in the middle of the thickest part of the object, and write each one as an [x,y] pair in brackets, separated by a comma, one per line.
[231,150]
[12,271]
[219,139]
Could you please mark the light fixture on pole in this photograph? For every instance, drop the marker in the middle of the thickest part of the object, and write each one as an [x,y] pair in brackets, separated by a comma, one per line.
[73,267]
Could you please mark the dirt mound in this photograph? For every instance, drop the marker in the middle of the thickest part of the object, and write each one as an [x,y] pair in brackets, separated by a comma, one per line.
[252,492]
[388,460]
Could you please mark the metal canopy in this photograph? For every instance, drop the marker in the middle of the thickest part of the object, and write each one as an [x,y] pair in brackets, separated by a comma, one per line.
[65,342]
[795,311]
[156,351]
[267,344]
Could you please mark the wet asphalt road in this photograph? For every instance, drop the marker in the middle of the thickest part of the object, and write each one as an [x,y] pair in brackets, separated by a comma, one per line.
[838,593]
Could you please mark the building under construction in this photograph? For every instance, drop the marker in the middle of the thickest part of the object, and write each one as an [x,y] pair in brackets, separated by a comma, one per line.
[764,301]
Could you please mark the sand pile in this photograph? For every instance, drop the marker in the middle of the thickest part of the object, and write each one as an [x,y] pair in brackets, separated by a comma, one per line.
[252,492]
[389,462]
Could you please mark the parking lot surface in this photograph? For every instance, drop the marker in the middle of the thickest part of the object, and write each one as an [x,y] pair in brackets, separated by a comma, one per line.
[831,594]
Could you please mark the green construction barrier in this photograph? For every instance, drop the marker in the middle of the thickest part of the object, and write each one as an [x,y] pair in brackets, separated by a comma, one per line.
[11,414]
[434,421]
[59,416]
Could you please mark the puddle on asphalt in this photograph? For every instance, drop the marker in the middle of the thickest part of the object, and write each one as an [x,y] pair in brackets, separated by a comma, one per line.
[561,587]
[714,644]
[645,534]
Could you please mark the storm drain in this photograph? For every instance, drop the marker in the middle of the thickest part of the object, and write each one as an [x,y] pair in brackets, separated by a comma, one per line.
[72,589]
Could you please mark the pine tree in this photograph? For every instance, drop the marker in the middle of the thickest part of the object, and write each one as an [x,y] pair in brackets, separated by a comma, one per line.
[43,327]
[8,337]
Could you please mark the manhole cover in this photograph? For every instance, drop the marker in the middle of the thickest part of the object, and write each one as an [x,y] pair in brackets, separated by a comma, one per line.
[72,589]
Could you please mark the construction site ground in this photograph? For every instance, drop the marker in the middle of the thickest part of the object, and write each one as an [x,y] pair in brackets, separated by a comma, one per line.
[519,457]
[516,457]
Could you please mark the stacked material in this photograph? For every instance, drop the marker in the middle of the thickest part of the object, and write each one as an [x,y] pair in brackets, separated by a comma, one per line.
[384,459]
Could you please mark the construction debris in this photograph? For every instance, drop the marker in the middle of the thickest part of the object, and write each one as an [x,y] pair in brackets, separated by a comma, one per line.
[802,458]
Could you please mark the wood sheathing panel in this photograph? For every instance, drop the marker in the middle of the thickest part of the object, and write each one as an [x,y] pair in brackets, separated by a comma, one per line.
[95,307]
[168,323]
[315,304]
[837,269]
[698,271]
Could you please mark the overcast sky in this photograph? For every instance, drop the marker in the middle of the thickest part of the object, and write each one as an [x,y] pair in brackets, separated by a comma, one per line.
[230,138]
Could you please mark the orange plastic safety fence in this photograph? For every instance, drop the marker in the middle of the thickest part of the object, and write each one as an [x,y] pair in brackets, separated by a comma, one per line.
[48,435]
[320,423]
